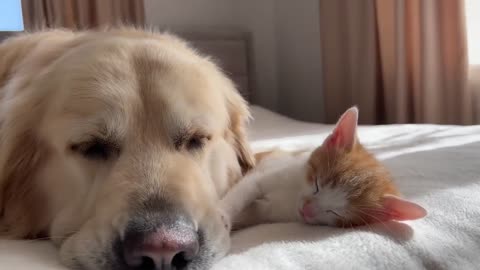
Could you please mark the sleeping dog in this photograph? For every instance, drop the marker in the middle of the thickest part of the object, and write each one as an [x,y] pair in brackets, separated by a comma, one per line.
[117,145]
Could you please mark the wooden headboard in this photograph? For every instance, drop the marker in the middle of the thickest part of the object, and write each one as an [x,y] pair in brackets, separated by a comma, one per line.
[230,50]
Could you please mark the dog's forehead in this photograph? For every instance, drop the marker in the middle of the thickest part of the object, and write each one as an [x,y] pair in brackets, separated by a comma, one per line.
[150,84]
[180,88]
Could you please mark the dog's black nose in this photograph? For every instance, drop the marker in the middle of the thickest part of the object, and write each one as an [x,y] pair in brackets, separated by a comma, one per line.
[171,244]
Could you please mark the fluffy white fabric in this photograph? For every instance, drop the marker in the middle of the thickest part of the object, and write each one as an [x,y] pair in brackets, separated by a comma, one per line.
[436,166]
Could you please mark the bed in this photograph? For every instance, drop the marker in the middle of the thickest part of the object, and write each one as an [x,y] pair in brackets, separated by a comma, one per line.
[436,166]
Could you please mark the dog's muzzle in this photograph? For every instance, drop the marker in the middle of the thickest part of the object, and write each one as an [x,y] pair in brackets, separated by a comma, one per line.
[158,240]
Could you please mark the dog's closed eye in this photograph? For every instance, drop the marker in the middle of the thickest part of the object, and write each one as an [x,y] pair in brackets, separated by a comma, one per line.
[195,142]
[191,142]
[96,149]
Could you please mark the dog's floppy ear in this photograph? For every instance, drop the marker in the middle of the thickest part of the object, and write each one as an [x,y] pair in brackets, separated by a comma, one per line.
[239,115]
[21,204]
[22,212]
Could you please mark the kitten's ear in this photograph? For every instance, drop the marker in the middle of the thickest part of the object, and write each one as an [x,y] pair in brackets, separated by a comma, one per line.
[396,208]
[344,135]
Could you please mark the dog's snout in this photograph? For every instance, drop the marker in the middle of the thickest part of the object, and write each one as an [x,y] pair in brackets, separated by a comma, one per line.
[170,241]
[170,248]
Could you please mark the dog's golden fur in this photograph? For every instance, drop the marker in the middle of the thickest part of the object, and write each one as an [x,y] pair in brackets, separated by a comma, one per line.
[140,89]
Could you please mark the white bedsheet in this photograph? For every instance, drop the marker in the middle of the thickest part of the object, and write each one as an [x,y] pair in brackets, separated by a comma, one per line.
[437,166]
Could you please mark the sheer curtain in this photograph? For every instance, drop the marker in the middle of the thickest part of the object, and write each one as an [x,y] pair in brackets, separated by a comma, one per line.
[400,61]
[472,8]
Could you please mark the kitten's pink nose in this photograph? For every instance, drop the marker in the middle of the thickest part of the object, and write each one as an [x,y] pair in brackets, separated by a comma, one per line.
[307,210]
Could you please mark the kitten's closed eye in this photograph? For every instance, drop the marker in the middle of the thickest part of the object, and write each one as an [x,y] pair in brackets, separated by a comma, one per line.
[316,187]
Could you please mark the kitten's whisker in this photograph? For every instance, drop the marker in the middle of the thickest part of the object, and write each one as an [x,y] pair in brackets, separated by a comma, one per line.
[364,221]
[376,210]
[335,213]
[381,222]
[371,208]
[370,215]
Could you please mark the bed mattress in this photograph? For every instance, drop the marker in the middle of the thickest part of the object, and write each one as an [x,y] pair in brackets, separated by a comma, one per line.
[434,165]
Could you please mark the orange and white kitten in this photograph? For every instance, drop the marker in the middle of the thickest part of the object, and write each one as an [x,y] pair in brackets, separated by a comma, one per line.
[338,184]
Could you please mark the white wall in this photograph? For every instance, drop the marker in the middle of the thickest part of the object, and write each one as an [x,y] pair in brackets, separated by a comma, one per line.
[253,16]
[286,45]
[298,59]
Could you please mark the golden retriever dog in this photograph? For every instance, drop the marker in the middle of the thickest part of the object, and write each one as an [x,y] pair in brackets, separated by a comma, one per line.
[117,145]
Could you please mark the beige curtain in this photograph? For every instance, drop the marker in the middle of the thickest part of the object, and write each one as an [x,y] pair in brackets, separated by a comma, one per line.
[81,14]
[400,61]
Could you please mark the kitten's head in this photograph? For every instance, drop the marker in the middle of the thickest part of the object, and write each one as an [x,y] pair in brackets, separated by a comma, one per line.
[347,186]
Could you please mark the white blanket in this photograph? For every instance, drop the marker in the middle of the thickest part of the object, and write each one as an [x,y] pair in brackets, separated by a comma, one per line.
[437,166]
